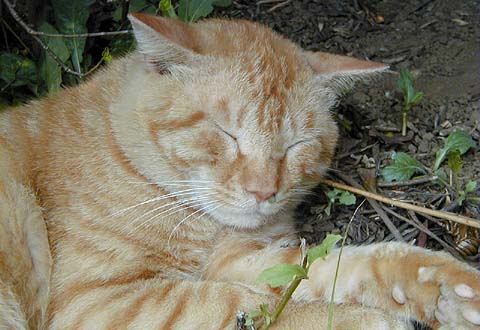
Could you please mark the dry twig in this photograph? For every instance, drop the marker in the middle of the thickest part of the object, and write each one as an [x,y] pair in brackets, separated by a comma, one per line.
[407,183]
[423,210]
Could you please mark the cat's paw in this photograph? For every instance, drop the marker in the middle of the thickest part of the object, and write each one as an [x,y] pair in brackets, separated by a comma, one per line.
[457,295]
[458,307]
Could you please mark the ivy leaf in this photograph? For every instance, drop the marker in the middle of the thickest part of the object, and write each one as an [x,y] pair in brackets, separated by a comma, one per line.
[322,250]
[347,198]
[458,140]
[403,168]
[49,68]
[281,274]
[192,10]
[71,18]
[471,186]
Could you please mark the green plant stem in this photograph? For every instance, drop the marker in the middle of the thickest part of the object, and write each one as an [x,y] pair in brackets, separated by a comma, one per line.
[281,305]
[289,292]
[345,235]
[404,123]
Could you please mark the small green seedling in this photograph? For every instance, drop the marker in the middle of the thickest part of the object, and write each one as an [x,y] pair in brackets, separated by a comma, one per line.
[190,10]
[455,145]
[341,196]
[283,274]
[466,194]
[410,97]
[405,166]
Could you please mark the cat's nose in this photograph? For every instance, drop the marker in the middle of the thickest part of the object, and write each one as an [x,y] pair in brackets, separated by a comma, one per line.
[263,195]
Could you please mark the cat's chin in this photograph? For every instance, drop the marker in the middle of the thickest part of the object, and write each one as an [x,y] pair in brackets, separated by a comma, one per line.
[250,220]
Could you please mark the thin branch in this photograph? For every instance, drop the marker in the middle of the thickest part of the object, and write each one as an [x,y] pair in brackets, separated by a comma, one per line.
[5,25]
[45,47]
[420,226]
[423,210]
[407,183]
[32,32]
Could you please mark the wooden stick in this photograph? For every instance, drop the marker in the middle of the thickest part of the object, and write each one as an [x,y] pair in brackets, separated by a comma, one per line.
[419,209]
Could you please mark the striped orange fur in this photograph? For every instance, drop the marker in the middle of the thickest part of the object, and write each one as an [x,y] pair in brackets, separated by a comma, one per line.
[153,194]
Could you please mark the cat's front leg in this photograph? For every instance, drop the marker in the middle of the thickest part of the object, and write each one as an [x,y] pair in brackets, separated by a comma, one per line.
[428,286]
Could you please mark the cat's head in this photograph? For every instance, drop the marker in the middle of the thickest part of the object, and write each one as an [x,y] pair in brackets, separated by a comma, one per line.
[229,116]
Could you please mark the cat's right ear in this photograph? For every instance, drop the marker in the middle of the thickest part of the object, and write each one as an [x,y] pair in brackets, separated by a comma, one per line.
[162,41]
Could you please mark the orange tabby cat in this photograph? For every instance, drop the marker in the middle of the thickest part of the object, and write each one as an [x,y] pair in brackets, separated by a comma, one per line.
[165,184]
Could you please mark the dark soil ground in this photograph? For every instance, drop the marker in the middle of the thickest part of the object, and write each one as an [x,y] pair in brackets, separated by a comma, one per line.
[438,41]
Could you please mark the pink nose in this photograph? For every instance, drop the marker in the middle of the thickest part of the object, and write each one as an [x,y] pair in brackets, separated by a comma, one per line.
[262,196]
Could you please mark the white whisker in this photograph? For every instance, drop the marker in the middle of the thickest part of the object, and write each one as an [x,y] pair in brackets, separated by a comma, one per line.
[176,204]
[204,210]
[159,198]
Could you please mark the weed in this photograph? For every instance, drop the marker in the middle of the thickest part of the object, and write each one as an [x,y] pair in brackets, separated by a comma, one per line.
[410,97]
[341,196]
[283,274]
[191,10]
[455,145]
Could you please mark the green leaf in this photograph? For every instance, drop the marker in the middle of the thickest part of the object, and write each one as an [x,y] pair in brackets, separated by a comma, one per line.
[322,250]
[264,309]
[405,83]
[281,274]
[471,186]
[332,194]
[71,18]
[417,98]
[16,71]
[192,10]
[458,140]
[403,168]
[454,161]
[49,68]
[254,314]
[222,3]
[347,198]
[106,56]
[167,9]
[135,6]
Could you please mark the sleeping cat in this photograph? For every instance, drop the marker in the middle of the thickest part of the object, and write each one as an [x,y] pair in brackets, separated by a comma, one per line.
[166,183]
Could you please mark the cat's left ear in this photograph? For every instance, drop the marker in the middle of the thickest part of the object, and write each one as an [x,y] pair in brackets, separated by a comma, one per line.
[163,41]
[337,71]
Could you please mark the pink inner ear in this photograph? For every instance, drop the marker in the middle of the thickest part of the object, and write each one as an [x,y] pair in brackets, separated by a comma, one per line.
[171,29]
[324,63]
